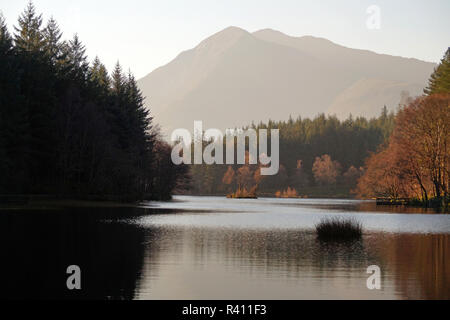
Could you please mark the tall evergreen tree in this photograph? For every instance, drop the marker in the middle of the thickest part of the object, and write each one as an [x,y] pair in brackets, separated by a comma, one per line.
[29,36]
[439,81]
[37,86]
[14,120]
[5,38]
[98,74]
[118,80]
[52,41]
[118,100]
[100,81]
[5,61]
[136,102]
[77,60]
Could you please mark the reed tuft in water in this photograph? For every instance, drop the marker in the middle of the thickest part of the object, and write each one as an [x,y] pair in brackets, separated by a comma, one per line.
[339,229]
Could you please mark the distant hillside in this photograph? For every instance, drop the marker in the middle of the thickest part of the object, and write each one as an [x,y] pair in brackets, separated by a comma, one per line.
[365,97]
[235,77]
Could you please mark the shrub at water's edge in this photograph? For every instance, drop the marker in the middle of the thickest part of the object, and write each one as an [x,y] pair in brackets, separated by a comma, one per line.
[288,193]
[339,229]
[242,193]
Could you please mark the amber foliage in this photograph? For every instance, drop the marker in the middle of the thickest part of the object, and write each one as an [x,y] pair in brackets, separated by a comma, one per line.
[242,192]
[415,162]
[288,193]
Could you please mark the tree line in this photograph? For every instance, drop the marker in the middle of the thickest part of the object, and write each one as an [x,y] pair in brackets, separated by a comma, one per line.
[323,156]
[67,127]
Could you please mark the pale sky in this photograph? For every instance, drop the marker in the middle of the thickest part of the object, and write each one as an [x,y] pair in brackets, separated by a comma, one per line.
[145,34]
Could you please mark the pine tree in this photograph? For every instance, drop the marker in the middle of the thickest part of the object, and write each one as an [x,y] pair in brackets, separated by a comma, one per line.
[5,49]
[76,60]
[5,38]
[136,102]
[14,122]
[98,75]
[140,118]
[118,80]
[29,36]
[52,42]
[141,136]
[117,109]
[439,81]
[38,105]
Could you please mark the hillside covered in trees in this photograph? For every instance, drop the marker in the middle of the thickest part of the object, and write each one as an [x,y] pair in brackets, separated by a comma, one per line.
[319,157]
[69,128]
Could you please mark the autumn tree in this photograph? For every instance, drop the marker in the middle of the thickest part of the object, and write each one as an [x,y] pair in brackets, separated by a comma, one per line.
[415,163]
[244,177]
[382,177]
[352,175]
[326,170]
[422,133]
[229,178]
[257,177]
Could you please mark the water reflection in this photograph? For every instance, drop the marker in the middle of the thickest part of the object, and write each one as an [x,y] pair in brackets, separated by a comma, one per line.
[36,247]
[211,264]
[420,263]
[196,253]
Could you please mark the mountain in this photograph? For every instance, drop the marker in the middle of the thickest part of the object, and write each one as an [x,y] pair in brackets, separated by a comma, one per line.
[235,77]
[365,97]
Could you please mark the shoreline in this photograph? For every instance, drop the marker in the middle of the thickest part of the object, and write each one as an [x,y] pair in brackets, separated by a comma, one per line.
[41,202]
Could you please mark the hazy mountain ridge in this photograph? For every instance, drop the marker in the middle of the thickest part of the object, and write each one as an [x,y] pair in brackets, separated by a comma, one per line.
[368,92]
[235,77]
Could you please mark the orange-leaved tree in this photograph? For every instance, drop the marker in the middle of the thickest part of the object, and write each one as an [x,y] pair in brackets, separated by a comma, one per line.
[415,162]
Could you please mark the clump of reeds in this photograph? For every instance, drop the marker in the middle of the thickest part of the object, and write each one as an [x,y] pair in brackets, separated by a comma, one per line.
[339,229]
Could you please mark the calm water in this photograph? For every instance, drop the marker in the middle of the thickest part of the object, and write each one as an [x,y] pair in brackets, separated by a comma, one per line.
[217,248]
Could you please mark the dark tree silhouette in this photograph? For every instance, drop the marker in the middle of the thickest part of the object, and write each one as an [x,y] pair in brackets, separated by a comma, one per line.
[68,128]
